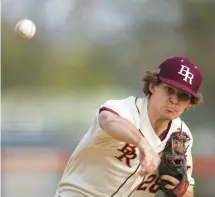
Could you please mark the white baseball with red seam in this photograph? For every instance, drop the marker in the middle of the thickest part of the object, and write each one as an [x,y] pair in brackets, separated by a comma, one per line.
[25,29]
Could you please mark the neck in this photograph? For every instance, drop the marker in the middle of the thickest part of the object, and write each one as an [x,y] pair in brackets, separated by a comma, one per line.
[158,123]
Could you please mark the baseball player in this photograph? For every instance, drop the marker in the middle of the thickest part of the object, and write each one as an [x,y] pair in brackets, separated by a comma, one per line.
[120,154]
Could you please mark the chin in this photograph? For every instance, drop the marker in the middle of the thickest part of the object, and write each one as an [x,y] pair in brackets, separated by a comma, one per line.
[171,116]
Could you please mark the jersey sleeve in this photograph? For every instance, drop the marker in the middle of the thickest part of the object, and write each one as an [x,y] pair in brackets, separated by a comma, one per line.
[117,107]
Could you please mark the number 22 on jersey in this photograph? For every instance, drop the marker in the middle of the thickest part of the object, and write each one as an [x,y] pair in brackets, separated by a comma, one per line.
[150,184]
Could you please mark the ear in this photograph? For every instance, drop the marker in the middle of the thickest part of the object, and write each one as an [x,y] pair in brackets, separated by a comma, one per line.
[152,87]
[188,107]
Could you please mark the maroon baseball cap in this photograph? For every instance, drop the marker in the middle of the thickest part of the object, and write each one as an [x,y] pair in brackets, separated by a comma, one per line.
[181,73]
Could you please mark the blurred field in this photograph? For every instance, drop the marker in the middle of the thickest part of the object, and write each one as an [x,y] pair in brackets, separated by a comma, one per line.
[86,52]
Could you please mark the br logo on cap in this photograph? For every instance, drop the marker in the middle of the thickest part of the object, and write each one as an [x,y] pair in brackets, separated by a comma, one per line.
[185,71]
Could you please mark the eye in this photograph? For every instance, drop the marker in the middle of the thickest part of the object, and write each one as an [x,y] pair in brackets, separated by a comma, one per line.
[184,96]
[169,90]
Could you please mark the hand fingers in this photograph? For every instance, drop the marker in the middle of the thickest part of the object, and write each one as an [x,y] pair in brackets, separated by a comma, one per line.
[171,179]
[145,168]
[148,167]
[149,162]
[168,186]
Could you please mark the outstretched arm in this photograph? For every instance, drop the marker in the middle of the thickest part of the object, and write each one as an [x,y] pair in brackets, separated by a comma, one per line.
[122,130]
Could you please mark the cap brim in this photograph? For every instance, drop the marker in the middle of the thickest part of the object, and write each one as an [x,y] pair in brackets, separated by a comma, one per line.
[179,86]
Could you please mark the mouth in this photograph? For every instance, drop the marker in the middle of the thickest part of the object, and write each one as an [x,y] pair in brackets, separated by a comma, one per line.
[170,109]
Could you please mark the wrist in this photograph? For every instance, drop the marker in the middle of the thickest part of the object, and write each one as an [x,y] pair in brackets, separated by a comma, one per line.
[141,142]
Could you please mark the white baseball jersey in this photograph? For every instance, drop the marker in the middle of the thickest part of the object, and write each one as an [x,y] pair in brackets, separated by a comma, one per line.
[101,166]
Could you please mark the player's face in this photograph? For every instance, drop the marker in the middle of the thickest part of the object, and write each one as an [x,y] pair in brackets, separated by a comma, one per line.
[168,101]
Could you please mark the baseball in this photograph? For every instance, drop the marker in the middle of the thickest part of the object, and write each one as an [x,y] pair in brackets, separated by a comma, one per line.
[25,29]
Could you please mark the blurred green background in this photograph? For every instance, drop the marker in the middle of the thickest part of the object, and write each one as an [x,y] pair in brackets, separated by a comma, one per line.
[86,52]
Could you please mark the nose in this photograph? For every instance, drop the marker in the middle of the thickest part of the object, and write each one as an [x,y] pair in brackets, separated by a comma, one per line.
[174,99]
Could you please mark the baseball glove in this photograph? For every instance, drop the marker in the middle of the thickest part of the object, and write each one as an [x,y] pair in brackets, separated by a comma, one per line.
[173,163]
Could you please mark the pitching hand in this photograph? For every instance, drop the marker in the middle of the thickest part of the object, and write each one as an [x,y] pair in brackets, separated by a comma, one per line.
[149,159]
